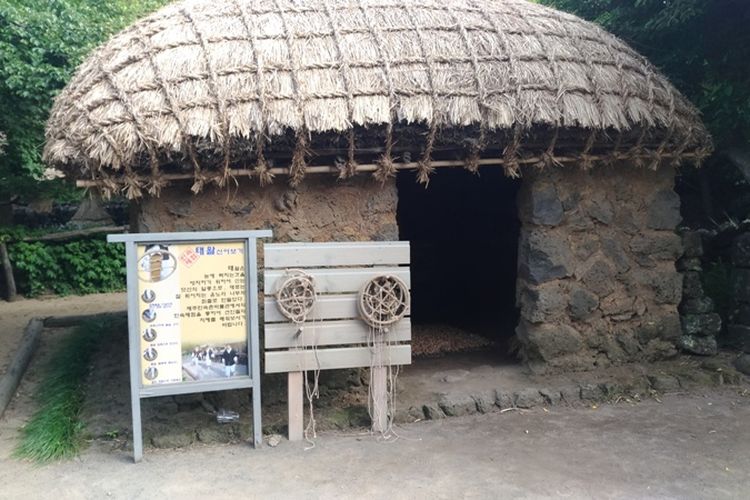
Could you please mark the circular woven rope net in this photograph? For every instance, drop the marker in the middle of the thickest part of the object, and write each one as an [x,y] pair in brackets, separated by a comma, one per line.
[383,301]
[295,295]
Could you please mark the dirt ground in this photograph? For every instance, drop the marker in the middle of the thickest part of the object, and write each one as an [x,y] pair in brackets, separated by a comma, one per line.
[689,446]
[14,316]
[692,444]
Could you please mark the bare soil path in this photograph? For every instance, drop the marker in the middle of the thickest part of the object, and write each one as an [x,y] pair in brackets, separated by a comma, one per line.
[14,316]
[689,446]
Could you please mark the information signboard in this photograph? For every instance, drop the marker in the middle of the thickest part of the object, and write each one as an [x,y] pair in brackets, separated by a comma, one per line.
[192,316]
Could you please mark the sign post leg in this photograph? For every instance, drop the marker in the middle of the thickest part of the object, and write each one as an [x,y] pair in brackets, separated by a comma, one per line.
[379,399]
[133,343]
[137,432]
[296,404]
[251,273]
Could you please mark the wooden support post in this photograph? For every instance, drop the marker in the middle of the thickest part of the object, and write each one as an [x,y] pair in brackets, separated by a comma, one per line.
[10,283]
[296,405]
[379,399]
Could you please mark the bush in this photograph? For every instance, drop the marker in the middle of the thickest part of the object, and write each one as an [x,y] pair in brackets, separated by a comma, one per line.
[78,267]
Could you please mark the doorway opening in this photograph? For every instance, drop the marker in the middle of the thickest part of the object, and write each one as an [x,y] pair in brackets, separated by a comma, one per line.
[464,231]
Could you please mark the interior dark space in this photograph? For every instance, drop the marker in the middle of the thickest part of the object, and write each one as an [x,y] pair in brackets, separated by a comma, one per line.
[464,230]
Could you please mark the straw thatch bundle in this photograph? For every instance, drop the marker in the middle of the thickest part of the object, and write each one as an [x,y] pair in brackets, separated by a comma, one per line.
[210,88]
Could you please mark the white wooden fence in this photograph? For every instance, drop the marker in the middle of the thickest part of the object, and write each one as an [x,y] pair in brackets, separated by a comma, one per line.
[339,271]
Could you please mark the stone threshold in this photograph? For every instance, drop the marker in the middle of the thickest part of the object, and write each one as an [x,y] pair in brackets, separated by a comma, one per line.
[436,389]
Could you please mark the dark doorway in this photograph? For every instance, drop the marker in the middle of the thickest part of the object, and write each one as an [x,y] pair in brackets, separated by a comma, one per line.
[463,230]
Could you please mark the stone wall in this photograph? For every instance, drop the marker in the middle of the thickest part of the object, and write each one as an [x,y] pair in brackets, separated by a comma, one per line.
[597,281]
[700,324]
[320,209]
[738,329]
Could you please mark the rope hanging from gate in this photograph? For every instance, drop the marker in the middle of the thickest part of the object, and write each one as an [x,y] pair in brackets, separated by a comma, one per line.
[295,298]
[383,301]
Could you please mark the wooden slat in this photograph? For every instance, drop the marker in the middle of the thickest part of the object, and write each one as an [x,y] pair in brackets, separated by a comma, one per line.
[323,333]
[331,307]
[338,280]
[328,359]
[371,253]
[326,307]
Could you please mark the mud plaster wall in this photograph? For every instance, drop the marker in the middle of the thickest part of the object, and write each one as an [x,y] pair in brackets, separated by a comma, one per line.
[320,209]
[597,281]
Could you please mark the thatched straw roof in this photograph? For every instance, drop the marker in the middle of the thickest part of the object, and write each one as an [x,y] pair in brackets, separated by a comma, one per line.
[210,88]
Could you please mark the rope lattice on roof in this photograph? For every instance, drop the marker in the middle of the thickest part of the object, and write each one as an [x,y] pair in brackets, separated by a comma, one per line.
[209,84]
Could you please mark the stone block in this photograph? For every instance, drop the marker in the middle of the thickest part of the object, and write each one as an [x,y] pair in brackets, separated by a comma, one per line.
[548,341]
[692,286]
[666,326]
[692,243]
[612,390]
[571,201]
[618,304]
[570,394]
[703,305]
[578,221]
[485,401]
[600,210]
[599,278]
[543,302]
[656,246]
[627,341]
[740,251]
[503,399]
[585,245]
[544,257]
[667,286]
[543,205]
[658,349]
[433,412]
[456,405]
[689,264]
[528,398]
[664,383]
[551,396]
[703,346]
[592,392]
[742,364]
[664,211]
[614,251]
[701,324]
[582,303]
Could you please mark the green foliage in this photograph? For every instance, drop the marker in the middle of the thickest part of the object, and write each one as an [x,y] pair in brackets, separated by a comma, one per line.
[703,46]
[41,44]
[56,430]
[79,267]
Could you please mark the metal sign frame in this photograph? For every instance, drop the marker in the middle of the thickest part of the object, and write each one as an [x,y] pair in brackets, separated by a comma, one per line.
[252,380]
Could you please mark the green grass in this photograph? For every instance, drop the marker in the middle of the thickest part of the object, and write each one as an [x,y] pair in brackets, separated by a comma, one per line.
[56,431]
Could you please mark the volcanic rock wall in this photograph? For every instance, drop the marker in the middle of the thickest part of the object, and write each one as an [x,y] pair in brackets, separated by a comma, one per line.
[739,315]
[319,209]
[597,281]
[700,323]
